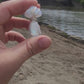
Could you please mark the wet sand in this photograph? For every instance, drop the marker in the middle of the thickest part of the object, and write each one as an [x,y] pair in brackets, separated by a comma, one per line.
[62,63]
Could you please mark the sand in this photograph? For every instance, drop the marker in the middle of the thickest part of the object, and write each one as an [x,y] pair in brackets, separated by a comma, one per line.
[62,63]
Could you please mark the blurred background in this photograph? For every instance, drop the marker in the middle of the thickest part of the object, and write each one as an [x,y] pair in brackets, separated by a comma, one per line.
[66,15]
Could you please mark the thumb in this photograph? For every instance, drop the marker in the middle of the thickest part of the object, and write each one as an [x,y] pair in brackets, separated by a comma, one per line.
[12,59]
[30,47]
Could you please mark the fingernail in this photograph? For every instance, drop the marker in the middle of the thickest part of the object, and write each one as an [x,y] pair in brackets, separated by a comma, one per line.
[44,42]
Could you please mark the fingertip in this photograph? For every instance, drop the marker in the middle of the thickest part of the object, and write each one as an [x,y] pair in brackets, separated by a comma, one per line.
[38,5]
[14,36]
[44,41]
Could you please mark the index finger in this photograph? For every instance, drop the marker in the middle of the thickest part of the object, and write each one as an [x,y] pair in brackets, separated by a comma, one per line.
[14,7]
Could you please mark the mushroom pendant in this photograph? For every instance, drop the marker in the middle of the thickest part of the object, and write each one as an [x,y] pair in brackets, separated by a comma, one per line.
[33,13]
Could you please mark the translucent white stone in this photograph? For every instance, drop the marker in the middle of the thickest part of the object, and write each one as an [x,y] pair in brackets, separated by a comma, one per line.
[33,13]
[35,28]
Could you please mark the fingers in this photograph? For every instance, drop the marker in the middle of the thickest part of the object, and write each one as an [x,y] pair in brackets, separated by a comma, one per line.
[14,7]
[16,22]
[13,36]
[30,47]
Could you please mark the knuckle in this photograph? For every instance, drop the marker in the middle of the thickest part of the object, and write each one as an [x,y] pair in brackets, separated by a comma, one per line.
[35,2]
[29,48]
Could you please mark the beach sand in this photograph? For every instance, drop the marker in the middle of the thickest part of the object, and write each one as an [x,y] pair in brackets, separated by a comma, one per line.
[62,63]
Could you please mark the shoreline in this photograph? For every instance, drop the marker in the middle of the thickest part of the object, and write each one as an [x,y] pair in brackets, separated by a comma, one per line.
[59,32]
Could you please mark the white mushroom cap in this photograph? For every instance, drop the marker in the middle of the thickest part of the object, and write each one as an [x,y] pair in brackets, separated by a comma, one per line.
[33,12]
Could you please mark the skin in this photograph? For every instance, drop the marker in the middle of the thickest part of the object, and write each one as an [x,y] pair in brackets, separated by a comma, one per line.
[12,58]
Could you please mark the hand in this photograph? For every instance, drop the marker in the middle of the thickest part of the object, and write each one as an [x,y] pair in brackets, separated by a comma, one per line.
[12,58]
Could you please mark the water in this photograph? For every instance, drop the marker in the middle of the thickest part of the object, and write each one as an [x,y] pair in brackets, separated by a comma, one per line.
[71,22]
